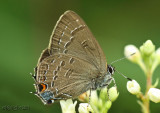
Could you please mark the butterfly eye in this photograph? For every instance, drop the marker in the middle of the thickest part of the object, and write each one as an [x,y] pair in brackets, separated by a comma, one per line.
[110,70]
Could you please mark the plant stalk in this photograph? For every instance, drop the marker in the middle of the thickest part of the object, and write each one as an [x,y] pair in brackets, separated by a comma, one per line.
[146,102]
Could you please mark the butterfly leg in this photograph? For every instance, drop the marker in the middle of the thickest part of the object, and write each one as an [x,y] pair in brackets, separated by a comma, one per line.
[115,84]
[106,85]
[111,79]
[89,97]
[108,93]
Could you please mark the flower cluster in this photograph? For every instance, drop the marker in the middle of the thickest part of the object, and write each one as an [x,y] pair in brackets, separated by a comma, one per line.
[98,103]
[148,59]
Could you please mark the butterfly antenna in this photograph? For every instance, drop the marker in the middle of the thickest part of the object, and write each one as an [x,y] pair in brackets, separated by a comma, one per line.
[122,58]
[123,75]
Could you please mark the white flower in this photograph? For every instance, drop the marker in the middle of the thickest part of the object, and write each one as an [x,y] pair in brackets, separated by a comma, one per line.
[68,106]
[113,94]
[131,49]
[154,94]
[85,108]
[133,87]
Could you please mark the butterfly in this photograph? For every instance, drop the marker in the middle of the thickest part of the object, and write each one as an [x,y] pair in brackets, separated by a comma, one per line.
[73,62]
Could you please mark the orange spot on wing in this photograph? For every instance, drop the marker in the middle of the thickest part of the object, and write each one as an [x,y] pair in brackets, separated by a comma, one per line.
[42,87]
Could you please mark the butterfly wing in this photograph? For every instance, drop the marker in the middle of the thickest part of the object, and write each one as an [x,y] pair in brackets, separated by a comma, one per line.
[72,60]
[66,76]
[72,36]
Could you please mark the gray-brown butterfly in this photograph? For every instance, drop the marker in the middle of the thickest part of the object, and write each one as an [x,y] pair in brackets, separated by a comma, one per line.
[72,64]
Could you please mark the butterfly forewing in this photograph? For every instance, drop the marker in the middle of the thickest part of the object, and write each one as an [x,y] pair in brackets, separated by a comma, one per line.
[72,36]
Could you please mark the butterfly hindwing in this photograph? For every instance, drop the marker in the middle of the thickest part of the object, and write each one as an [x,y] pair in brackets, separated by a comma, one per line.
[64,75]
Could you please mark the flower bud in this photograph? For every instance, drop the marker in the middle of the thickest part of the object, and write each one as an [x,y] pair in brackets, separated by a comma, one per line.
[147,48]
[68,106]
[129,50]
[108,104]
[154,94]
[103,94]
[113,94]
[85,108]
[133,87]
[94,97]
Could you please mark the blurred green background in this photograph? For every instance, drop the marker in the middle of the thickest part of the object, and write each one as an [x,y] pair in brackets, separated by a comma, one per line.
[25,29]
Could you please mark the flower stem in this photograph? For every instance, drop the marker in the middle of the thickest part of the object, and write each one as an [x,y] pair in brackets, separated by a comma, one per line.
[142,65]
[146,101]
